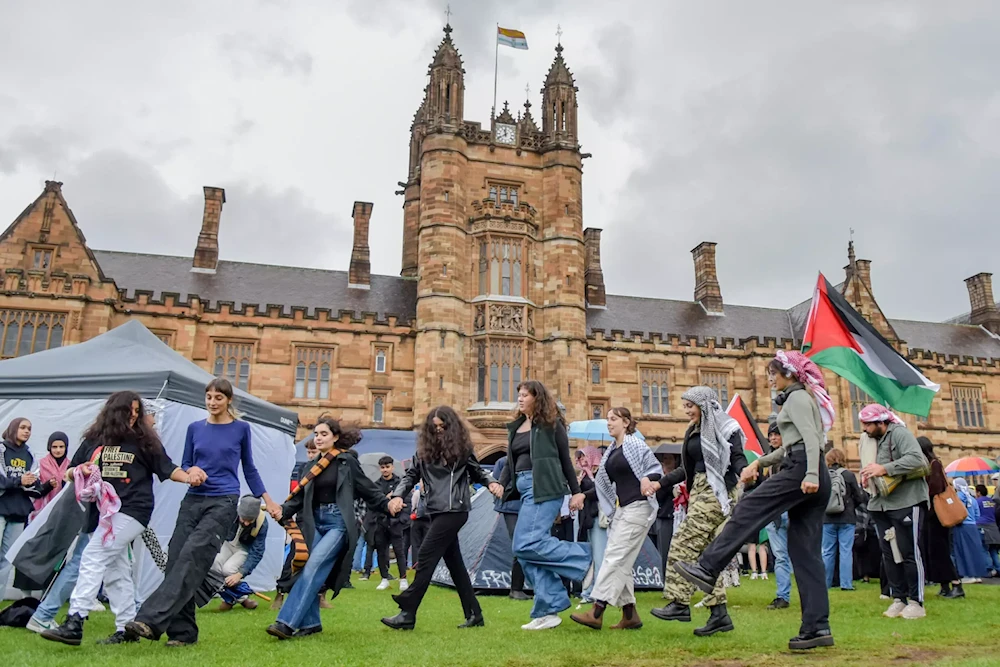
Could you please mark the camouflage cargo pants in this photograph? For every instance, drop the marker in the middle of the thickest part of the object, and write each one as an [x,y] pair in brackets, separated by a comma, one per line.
[703,523]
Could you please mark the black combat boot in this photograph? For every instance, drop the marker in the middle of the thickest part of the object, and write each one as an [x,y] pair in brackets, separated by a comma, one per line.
[70,632]
[718,621]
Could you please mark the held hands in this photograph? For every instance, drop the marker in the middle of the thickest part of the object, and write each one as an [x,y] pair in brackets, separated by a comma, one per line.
[496,489]
[809,487]
[234,579]
[196,476]
[750,473]
[395,506]
[648,488]
[576,502]
[274,509]
[872,470]
[27,479]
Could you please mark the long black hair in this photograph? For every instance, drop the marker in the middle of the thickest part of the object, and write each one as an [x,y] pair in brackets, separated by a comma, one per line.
[347,437]
[114,426]
[448,444]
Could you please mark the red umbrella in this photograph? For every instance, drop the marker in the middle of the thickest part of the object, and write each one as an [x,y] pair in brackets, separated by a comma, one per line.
[971,465]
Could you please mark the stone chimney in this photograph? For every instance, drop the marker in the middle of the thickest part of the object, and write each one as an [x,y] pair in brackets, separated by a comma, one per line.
[360,274]
[593,277]
[984,308]
[206,254]
[706,281]
[864,269]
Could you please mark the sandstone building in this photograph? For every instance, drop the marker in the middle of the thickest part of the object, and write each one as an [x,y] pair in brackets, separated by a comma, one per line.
[499,282]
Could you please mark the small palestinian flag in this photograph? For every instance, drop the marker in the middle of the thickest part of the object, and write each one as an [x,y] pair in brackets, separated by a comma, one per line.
[838,338]
[756,442]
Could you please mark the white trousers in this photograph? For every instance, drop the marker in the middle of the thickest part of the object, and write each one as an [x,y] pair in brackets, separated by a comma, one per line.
[110,565]
[230,559]
[615,584]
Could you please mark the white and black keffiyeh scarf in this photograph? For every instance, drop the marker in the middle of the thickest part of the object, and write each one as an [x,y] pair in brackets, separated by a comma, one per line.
[716,429]
[643,464]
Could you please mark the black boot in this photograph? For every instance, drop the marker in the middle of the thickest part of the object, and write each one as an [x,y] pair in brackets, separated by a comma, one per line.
[945,589]
[404,620]
[675,611]
[808,640]
[119,637]
[70,632]
[695,574]
[956,592]
[718,621]
[474,621]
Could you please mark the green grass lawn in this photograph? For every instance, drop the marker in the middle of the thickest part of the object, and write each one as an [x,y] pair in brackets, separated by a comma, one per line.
[955,632]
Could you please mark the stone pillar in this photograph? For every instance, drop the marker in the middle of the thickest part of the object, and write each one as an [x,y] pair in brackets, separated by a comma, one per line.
[706,281]
[206,254]
[593,276]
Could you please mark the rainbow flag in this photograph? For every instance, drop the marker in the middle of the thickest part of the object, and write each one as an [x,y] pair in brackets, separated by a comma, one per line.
[512,38]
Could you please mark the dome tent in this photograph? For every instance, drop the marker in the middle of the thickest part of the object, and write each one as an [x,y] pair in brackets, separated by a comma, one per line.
[64,388]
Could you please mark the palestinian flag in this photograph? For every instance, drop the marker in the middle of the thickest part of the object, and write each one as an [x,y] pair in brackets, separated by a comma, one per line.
[838,338]
[756,442]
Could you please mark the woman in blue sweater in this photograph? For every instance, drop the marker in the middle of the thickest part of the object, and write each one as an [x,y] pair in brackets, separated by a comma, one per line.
[213,451]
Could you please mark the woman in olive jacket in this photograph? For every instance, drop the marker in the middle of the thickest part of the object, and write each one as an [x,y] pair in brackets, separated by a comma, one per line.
[540,471]
[447,465]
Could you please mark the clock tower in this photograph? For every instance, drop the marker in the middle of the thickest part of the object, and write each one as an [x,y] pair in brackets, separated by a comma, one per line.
[492,233]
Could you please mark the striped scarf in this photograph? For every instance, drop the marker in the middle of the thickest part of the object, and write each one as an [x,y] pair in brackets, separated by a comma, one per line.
[299,548]
[641,461]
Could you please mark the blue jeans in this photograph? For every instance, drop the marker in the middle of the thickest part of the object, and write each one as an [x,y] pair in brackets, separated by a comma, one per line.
[777,536]
[598,542]
[359,555]
[842,533]
[301,609]
[543,557]
[62,587]
[9,532]
[993,556]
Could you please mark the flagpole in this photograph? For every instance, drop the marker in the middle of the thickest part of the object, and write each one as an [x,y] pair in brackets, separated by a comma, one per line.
[496,63]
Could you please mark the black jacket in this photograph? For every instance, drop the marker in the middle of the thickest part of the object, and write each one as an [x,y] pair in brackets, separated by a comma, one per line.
[351,483]
[589,513]
[854,497]
[445,488]
[375,519]
[737,462]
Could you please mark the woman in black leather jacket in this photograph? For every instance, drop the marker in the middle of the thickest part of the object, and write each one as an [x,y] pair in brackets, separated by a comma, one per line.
[447,465]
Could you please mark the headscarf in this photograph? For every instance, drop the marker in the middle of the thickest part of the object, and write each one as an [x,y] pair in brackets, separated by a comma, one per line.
[591,457]
[873,412]
[58,435]
[808,373]
[716,429]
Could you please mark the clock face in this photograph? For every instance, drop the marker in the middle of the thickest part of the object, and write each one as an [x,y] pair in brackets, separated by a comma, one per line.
[505,134]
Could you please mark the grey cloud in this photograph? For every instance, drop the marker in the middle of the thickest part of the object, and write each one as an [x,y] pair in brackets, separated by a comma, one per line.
[44,148]
[248,52]
[611,85]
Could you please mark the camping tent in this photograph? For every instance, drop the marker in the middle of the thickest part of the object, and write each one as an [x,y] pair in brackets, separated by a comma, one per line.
[400,445]
[486,550]
[64,388]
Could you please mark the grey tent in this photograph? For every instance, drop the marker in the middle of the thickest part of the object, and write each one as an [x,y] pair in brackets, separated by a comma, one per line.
[486,550]
[127,357]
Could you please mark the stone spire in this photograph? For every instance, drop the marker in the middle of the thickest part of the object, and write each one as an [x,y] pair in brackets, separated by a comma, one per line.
[445,96]
[559,104]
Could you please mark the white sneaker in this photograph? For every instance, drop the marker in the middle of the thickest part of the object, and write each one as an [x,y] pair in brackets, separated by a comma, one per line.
[403,585]
[895,609]
[763,575]
[914,610]
[884,597]
[97,606]
[40,626]
[970,580]
[753,576]
[382,586]
[700,604]
[543,623]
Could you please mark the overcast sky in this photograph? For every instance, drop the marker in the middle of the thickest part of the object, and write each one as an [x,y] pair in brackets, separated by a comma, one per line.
[771,128]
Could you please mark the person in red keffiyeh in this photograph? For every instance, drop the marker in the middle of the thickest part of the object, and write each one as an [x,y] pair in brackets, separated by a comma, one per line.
[801,487]
[873,413]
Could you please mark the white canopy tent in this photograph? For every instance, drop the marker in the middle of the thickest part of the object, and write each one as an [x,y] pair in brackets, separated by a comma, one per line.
[63,389]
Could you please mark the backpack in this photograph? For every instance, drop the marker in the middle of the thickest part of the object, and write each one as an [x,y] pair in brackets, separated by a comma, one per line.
[838,493]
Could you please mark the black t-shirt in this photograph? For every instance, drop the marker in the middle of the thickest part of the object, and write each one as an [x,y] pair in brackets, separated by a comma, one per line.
[695,459]
[326,486]
[626,483]
[130,472]
[520,449]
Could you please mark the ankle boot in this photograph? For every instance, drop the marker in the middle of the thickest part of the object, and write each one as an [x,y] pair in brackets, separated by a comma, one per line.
[278,599]
[323,602]
[593,618]
[70,632]
[945,589]
[404,620]
[718,621]
[630,619]
[675,611]
[956,592]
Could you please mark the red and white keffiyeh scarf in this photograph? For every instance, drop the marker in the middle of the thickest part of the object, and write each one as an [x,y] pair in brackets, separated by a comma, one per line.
[808,373]
[93,489]
[873,412]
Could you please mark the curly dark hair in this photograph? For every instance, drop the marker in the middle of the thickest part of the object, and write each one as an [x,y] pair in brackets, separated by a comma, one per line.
[546,411]
[347,437]
[114,426]
[446,444]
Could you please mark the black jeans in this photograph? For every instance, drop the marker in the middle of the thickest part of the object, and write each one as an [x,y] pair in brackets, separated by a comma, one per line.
[202,523]
[384,536]
[780,493]
[441,541]
[664,536]
[418,531]
[516,573]
[906,579]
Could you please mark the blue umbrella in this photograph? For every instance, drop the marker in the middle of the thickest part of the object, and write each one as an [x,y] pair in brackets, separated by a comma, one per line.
[593,429]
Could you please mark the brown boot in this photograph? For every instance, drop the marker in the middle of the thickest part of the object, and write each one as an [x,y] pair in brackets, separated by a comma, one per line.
[225,606]
[323,602]
[249,603]
[278,599]
[593,618]
[630,619]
